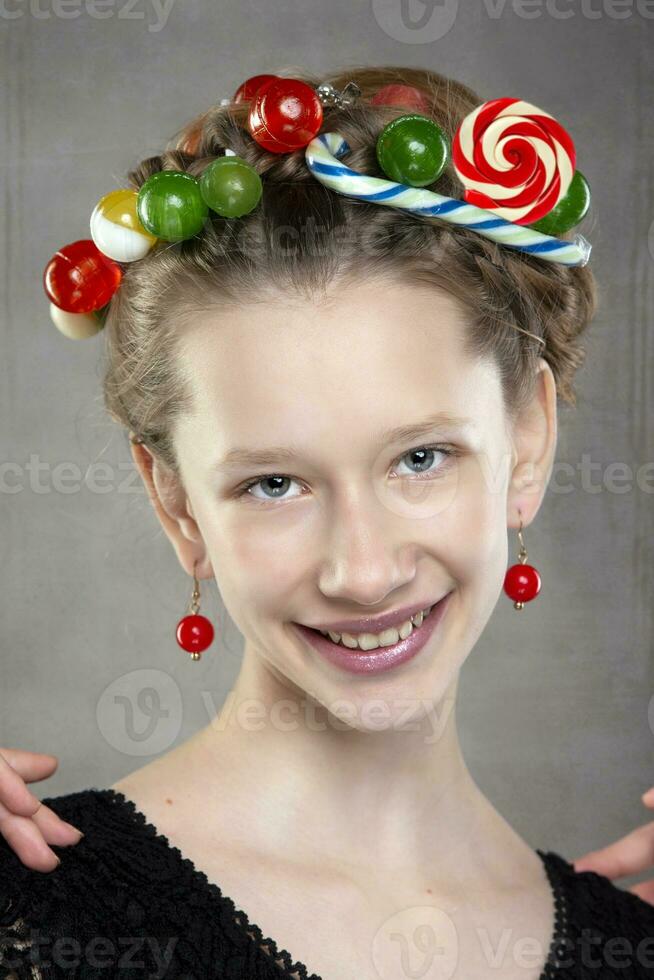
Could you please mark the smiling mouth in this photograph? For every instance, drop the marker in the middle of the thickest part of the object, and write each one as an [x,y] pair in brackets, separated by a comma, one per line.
[370,642]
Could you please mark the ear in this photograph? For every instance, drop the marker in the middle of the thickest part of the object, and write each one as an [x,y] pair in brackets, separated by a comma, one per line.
[534,435]
[173,508]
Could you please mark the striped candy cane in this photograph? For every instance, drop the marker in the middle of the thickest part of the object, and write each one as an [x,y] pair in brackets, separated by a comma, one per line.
[322,156]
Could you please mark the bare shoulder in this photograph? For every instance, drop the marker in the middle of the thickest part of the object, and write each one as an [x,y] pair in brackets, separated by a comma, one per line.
[160,790]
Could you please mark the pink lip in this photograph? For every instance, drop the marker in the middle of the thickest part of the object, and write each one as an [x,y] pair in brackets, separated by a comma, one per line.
[373,624]
[382,658]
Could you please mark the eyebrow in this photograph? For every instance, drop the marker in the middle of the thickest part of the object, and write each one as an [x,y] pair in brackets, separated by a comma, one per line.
[402,433]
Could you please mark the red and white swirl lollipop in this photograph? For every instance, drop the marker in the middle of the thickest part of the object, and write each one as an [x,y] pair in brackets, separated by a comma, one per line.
[513,159]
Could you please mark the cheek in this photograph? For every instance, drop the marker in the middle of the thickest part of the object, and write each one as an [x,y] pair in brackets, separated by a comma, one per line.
[486,547]
[249,563]
[262,559]
[471,535]
[267,543]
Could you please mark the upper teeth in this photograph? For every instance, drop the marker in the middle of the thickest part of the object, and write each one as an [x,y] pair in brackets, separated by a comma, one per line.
[370,641]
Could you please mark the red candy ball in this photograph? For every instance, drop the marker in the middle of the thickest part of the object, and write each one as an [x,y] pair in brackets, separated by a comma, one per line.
[522,583]
[194,633]
[79,278]
[404,96]
[248,88]
[285,114]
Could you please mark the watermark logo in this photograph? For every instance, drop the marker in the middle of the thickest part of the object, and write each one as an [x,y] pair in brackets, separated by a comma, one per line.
[415,21]
[155,12]
[414,492]
[140,713]
[416,943]
[427,21]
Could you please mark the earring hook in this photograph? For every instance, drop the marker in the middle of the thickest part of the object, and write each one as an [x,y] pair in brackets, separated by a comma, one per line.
[522,553]
[195,597]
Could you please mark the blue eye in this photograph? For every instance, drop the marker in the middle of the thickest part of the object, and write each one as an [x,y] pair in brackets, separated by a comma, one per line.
[280,482]
[428,453]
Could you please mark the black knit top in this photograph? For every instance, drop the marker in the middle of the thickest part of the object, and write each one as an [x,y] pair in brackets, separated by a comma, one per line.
[126,904]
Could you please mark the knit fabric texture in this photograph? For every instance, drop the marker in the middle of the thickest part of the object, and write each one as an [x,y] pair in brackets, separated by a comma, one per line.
[124,903]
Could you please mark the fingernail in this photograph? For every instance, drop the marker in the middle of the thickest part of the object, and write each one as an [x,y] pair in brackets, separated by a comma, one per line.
[76,829]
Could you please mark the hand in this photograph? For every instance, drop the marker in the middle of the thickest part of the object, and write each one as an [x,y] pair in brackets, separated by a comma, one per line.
[26,824]
[627,856]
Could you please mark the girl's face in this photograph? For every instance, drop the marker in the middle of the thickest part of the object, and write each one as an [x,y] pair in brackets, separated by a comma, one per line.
[347,516]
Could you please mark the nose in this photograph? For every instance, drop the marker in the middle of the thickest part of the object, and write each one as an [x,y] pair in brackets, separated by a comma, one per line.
[369,555]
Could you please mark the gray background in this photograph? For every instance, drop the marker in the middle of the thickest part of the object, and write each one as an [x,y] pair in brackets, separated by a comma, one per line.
[555,712]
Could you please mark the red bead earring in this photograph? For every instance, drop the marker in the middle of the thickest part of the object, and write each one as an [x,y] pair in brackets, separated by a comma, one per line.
[521,582]
[194,632]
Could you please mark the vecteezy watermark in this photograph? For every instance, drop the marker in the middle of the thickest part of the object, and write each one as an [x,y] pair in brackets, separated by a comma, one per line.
[418,942]
[415,21]
[99,953]
[67,477]
[421,942]
[418,715]
[306,236]
[141,713]
[426,21]
[43,477]
[158,10]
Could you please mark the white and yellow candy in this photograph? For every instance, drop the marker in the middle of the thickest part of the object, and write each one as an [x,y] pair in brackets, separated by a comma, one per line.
[116,229]
[76,326]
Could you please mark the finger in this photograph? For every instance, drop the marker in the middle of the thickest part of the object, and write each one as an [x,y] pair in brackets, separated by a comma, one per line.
[24,837]
[16,800]
[18,767]
[29,836]
[648,797]
[53,829]
[644,890]
[628,855]
[35,765]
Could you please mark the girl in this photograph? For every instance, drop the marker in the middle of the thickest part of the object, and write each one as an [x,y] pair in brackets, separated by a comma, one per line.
[337,410]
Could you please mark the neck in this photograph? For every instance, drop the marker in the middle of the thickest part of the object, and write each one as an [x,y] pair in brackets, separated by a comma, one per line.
[324,791]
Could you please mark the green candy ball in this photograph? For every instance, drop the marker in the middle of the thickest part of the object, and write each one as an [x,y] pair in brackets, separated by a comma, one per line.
[413,150]
[170,205]
[231,187]
[569,211]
